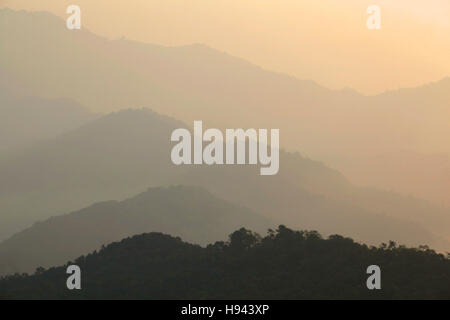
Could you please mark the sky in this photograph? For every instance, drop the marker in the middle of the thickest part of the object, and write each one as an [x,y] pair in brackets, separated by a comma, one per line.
[326,41]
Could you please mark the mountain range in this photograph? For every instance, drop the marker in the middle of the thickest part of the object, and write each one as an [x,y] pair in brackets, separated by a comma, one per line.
[191,213]
[57,157]
[119,155]
[345,129]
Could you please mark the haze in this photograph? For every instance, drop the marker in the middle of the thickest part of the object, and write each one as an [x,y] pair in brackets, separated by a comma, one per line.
[325,41]
[87,119]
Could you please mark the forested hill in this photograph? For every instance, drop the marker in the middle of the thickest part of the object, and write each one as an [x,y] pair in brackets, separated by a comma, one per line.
[285,264]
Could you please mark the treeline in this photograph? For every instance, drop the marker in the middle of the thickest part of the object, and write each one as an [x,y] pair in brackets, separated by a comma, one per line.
[285,264]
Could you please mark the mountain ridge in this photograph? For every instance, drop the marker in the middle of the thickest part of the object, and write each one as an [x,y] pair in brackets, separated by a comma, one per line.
[189,212]
[197,82]
[118,156]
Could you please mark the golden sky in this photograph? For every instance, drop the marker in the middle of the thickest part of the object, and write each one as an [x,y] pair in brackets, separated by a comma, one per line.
[326,41]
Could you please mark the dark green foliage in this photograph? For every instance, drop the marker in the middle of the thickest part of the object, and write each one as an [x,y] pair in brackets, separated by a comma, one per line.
[285,264]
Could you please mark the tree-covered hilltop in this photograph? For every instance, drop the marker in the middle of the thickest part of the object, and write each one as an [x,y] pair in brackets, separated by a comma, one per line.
[285,264]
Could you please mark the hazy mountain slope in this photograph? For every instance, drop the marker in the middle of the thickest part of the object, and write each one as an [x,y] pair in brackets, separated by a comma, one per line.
[28,120]
[419,163]
[189,212]
[123,153]
[113,157]
[344,129]
[283,265]
[328,205]
[425,175]
[191,81]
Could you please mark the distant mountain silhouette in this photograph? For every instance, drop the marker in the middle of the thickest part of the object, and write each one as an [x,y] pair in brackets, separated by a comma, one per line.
[343,128]
[283,265]
[188,212]
[113,157]
[121,154]
[25,121]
